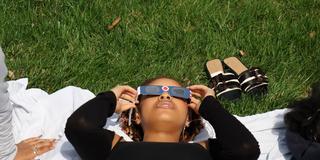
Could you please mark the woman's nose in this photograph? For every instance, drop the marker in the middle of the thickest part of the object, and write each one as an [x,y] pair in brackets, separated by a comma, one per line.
[165,96]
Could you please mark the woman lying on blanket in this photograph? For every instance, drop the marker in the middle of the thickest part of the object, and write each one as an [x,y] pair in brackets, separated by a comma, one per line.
[303,123]
[163,112]
[27,149]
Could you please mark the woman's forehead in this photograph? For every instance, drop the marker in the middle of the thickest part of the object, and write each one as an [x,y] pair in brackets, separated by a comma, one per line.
[165,82]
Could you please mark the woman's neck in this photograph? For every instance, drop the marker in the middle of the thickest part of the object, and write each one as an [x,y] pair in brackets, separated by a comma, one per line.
[158,136]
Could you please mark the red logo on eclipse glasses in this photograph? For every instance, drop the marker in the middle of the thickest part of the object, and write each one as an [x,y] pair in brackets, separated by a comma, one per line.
[165,88]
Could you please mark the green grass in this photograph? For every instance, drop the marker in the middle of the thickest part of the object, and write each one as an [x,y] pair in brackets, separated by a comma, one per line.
[56,43]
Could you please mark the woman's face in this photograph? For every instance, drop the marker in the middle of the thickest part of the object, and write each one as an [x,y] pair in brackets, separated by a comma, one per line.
[163,110]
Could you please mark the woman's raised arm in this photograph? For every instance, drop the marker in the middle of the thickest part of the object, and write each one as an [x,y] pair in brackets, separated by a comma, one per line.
[84,128]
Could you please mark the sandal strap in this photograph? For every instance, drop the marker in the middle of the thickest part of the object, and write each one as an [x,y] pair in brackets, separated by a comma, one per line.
[252,72]
[251,85]
[252,78]
[224,81]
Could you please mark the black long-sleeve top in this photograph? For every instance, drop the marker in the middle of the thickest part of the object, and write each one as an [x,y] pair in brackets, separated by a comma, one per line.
[301,148]
[85,131]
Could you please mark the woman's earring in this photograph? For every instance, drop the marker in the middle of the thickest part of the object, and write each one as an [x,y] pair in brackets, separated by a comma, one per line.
[183,132]
[130,116]
[187,124]
[183,137]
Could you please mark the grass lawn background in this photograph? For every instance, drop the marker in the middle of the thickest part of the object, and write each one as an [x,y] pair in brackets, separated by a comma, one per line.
[56,43]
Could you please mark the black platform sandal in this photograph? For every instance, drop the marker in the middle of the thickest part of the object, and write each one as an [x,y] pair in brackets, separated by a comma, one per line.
[253,80]
[225,84]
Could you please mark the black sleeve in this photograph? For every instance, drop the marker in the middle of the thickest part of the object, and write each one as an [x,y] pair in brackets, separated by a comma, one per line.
[84,128]
[233,139]
[301,148]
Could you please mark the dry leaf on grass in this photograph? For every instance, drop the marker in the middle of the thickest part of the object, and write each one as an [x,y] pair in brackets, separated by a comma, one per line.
[312,34]
[114,23]
[11,75]
[242,53]
[187,81]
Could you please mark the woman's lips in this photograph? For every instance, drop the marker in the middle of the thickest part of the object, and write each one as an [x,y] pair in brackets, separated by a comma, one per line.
[165,104]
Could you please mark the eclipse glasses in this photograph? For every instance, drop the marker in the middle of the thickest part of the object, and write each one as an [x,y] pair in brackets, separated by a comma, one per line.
[174,91]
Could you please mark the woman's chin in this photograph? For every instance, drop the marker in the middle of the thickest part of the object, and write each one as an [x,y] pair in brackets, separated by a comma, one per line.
[166,116]
[167,113]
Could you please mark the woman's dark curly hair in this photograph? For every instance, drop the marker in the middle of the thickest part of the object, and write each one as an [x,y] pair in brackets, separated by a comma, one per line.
[135,130]
[304,117]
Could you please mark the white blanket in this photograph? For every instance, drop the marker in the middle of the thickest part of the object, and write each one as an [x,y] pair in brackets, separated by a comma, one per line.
[39,113]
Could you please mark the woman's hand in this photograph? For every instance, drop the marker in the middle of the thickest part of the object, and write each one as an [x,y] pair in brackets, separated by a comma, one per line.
[30,148]
[126,98]
[199,92]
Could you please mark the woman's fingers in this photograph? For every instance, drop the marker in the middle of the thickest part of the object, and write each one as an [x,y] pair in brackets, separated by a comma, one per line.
[196,95]
[31,139]
[192,105]
[119,90]
[38,141]
[195,104]
[195,100]
[32,147]
[45,142]
[202,90]
[197,86]
[123,94]
[127,97]
[130,90]
[124,104]
[45,146]
[130,94]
